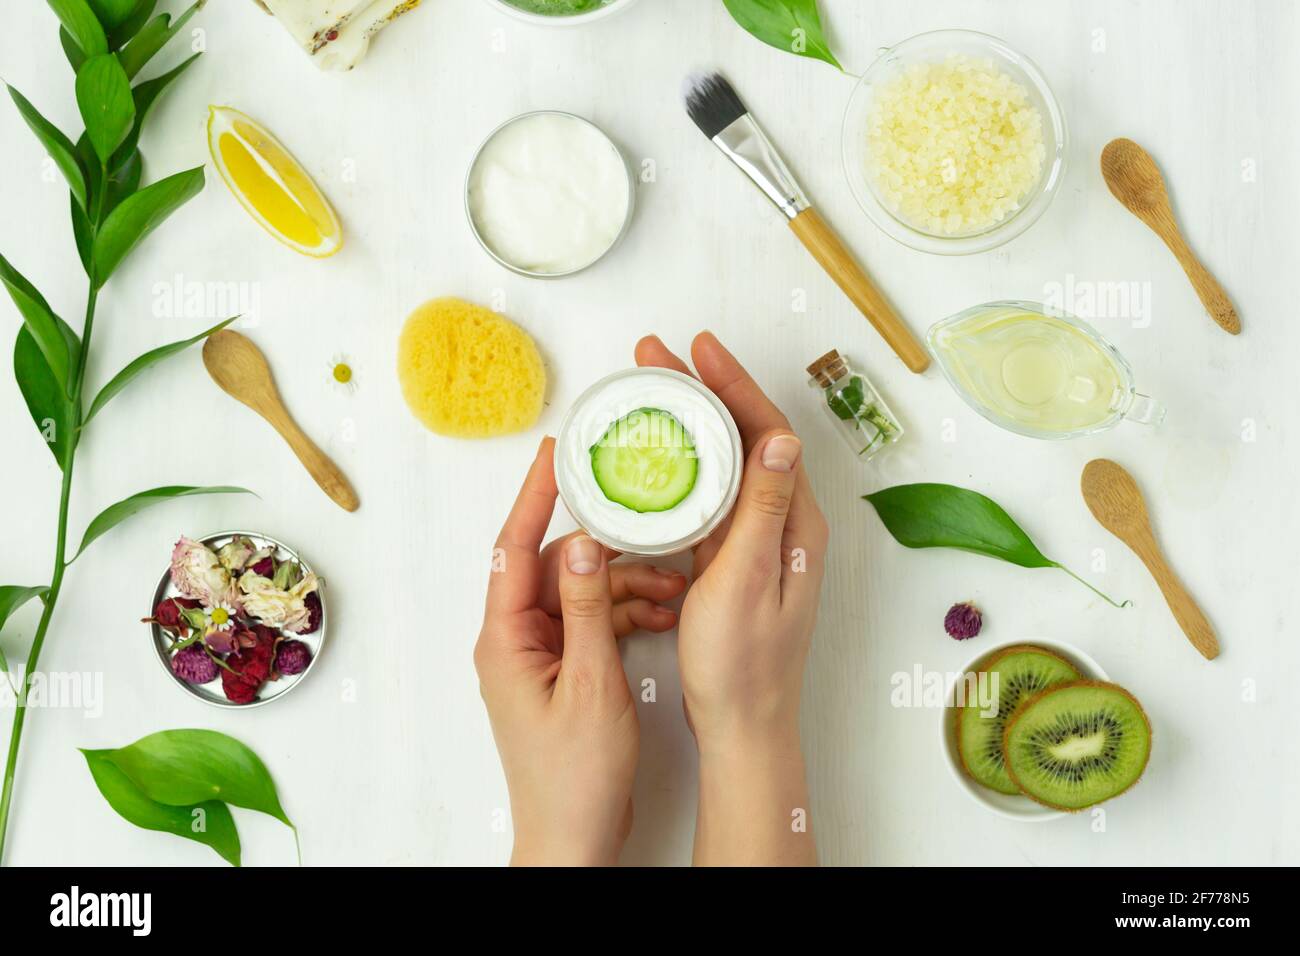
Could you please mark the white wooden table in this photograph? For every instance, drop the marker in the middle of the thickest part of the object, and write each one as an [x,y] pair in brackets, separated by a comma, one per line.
[385,755]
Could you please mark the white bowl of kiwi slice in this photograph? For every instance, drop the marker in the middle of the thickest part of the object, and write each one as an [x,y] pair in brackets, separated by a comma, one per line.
[1034,730]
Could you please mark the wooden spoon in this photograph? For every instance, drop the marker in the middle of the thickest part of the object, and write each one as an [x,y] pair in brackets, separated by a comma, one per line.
[239,367]
[1114,500]
[1134,179]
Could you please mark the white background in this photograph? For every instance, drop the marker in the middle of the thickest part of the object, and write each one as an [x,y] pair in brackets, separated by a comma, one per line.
[407,772]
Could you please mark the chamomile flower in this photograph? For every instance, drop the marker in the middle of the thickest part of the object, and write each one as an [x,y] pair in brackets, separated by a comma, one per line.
[342,375]
[219,629]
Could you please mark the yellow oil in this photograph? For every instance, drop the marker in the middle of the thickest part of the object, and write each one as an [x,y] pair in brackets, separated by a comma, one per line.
[1035,370]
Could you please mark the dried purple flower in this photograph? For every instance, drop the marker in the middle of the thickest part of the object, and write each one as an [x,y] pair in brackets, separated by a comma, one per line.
[314,612]
[193,665]
[292,657]
[963,621]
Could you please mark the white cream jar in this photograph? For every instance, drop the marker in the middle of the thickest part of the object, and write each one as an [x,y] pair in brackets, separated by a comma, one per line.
[711,430]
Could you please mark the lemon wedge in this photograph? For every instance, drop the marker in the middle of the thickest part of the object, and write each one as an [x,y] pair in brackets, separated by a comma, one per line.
[271,184]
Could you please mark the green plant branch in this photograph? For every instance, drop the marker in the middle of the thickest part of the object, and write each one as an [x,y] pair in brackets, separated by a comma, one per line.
[110,217]
[60,565]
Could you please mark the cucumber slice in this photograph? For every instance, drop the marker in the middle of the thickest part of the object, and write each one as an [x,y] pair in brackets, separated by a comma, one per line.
[645,461]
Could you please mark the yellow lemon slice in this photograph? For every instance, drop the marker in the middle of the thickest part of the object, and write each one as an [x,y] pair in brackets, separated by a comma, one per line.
[271,184]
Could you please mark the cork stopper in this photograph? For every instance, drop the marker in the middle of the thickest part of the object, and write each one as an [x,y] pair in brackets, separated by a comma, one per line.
[828,369]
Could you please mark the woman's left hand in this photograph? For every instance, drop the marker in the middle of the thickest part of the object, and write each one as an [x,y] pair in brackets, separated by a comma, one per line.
[562,713]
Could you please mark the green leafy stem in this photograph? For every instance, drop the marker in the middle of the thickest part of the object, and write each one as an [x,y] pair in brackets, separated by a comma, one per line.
[930,515]
[107,43]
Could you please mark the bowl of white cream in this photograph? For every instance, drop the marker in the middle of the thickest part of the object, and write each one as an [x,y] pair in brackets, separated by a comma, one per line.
[710,432]
[548,194]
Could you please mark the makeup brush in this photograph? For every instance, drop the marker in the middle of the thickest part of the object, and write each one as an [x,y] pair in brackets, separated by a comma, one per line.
[717,110]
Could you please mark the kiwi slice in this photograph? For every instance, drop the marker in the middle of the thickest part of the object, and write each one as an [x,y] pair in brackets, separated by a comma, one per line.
[1022,670]
[1077,744]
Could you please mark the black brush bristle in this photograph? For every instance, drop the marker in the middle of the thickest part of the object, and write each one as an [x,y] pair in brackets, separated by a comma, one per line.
[711,102]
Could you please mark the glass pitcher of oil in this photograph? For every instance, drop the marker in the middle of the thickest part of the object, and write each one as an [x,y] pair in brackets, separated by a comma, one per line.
[1038,373]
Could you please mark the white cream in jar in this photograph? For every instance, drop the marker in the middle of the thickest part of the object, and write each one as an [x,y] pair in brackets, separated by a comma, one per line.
[712,432]
[548,193]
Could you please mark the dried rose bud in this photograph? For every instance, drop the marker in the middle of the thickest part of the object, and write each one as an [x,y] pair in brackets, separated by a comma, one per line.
[963,621]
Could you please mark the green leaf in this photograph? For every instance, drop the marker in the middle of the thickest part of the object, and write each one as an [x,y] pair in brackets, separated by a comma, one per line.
[138,215]
[945,516]
[112,13]
[83,234]
[123,174]
[123,378]
[133,24]
[82,25]
[180,767]
[104,98]
[208,822]
[56,144]
[145,95]
[73,53]
[46,397]
[115,514]
[91,166]
[124,180]
[929,515]
[791,25]
[12,597]
[152,38]
[850,401]
[40,321]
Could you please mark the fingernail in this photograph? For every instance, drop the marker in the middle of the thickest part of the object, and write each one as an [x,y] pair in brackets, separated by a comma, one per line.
[582,555]
[668,572]
[781,452]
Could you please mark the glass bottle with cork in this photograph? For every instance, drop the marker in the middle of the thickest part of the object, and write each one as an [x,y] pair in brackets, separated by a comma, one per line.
[858,412]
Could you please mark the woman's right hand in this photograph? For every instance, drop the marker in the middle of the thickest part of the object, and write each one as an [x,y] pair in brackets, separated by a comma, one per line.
[745,629]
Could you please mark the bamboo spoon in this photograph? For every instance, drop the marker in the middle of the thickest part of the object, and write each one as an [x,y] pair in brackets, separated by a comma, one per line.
[240,368]
[1115,501]
[1134,179]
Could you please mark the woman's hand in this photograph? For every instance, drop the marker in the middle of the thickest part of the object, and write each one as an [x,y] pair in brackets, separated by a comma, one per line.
[562,714]
[745,631]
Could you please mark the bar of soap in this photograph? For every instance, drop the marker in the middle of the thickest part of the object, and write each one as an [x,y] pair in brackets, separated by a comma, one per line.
[336,33]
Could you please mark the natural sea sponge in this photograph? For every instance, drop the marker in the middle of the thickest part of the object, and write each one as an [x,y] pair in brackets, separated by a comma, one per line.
[468,372]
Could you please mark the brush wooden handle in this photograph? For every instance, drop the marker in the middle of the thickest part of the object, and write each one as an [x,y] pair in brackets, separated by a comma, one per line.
[826,247]
[1186,611]
[319,465]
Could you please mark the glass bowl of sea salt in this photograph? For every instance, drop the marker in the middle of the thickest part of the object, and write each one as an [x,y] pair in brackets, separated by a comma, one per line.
[953,142]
